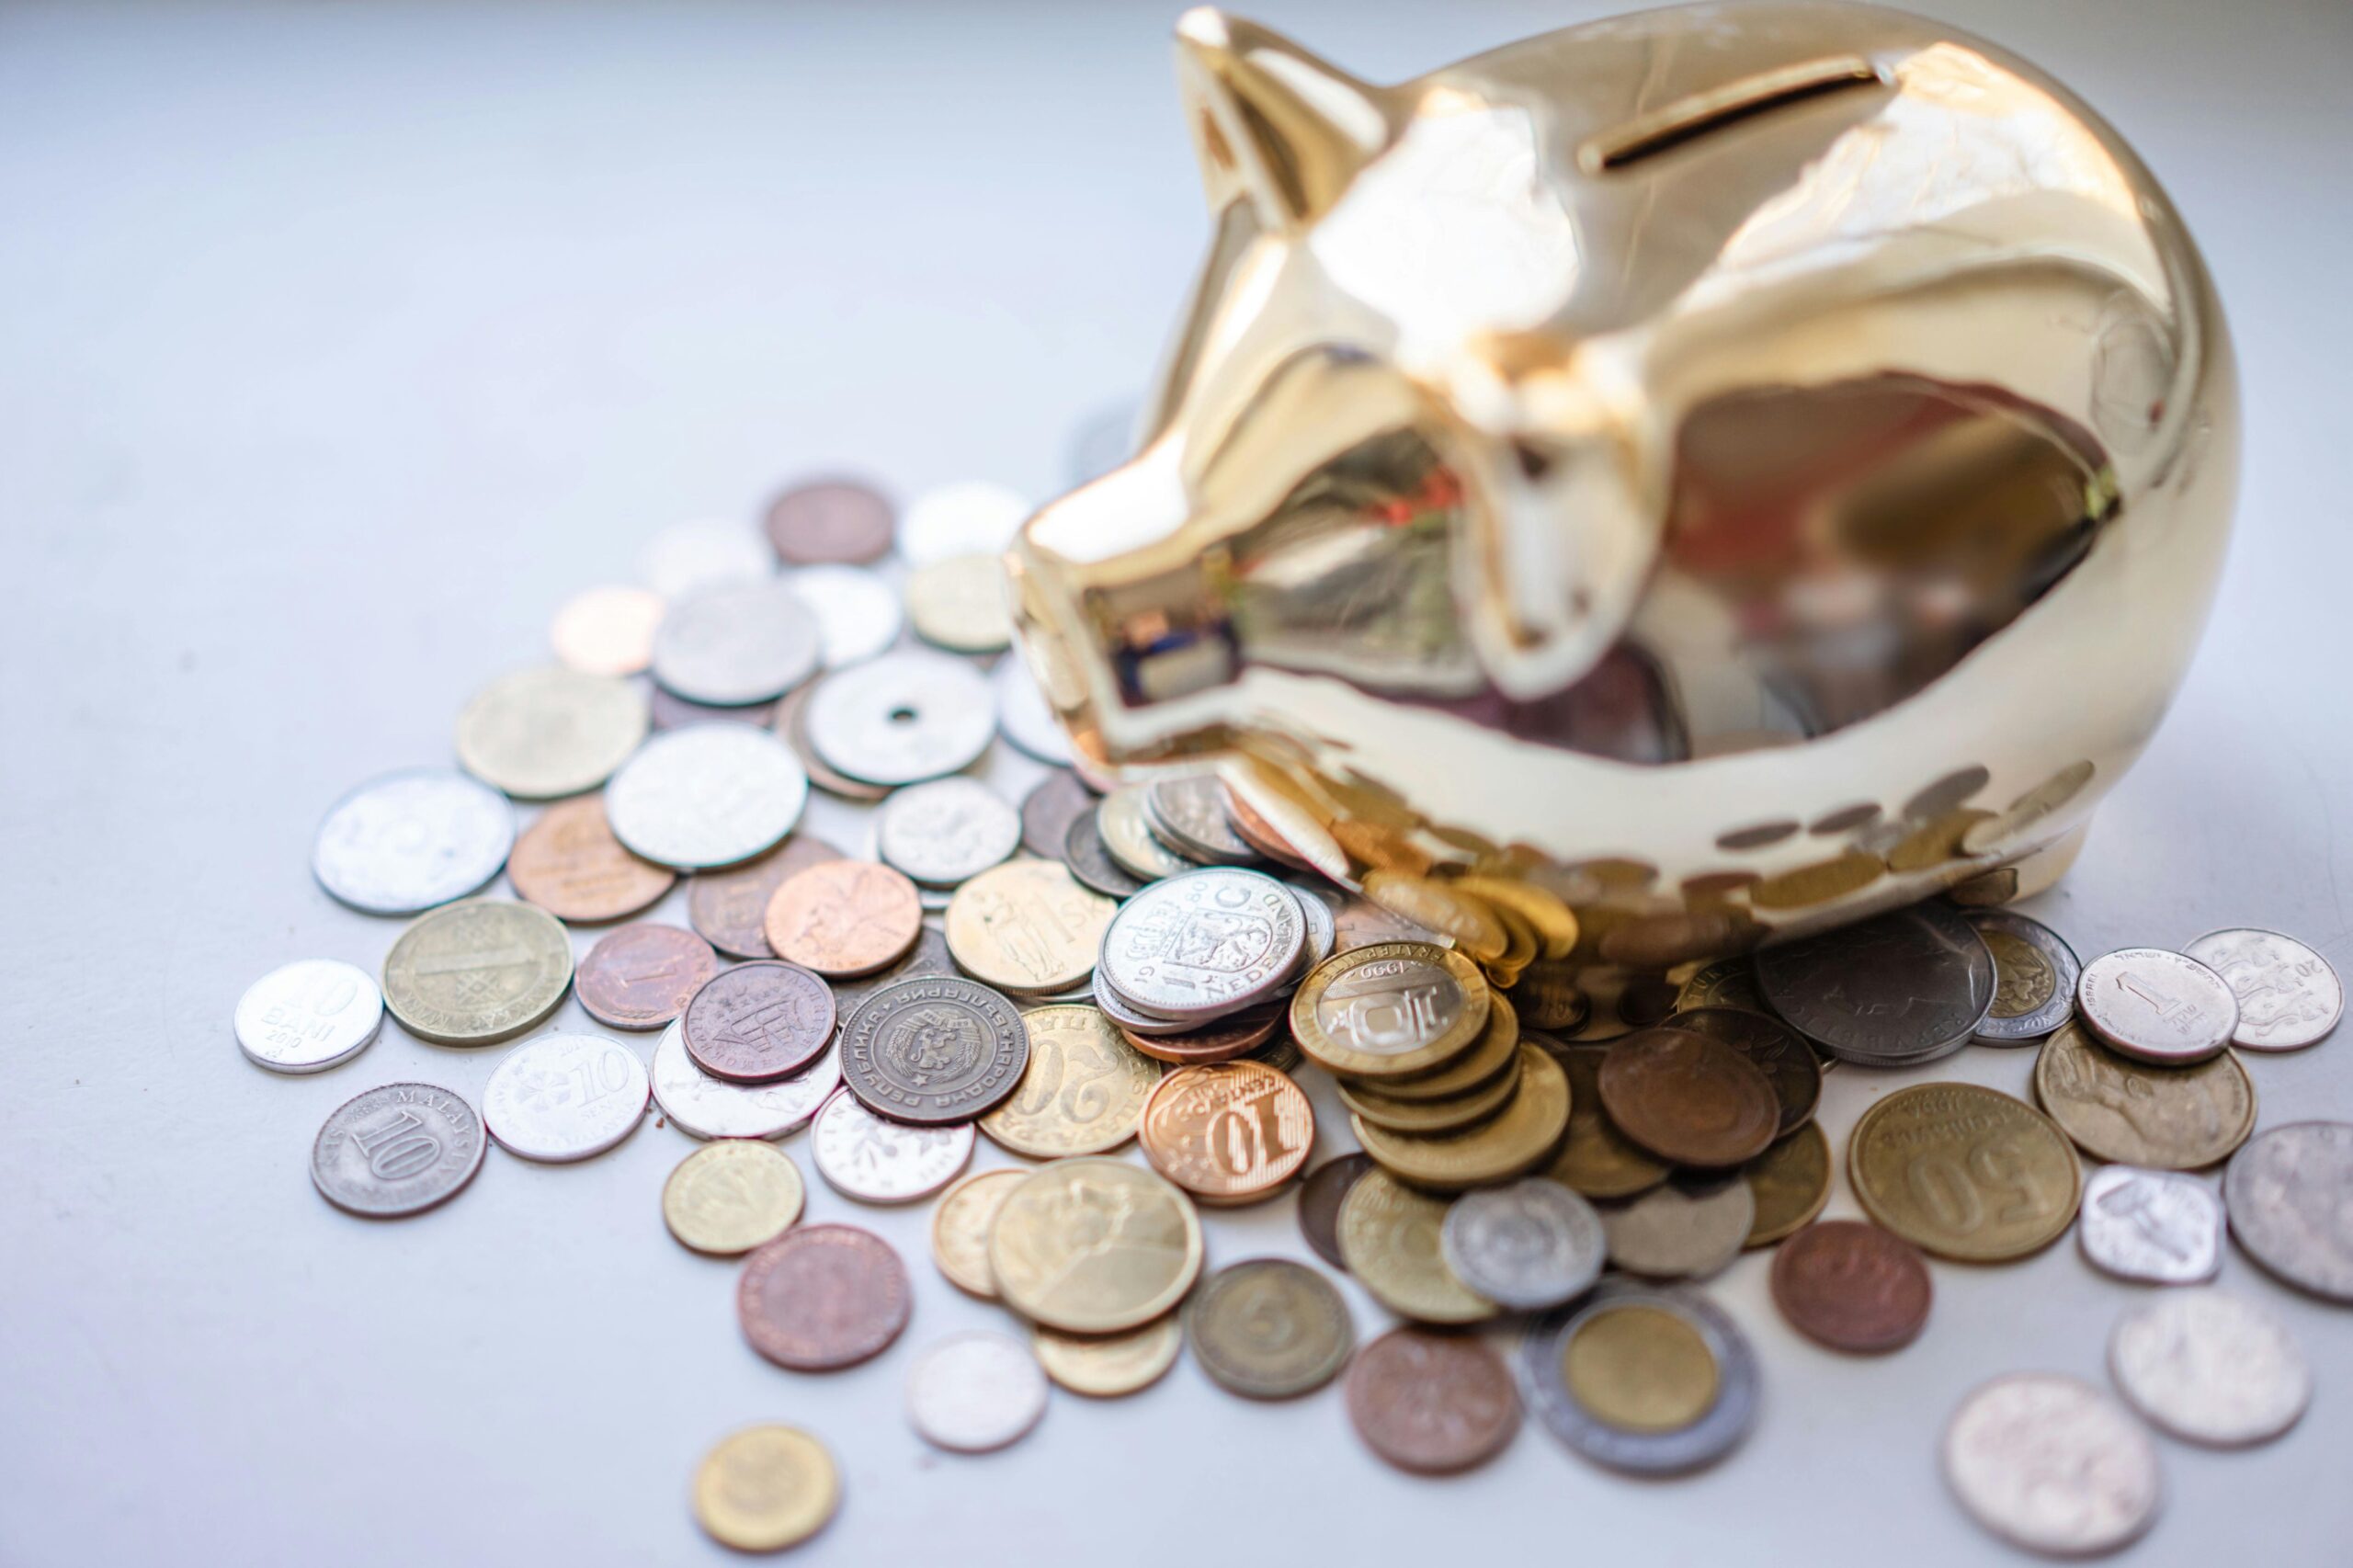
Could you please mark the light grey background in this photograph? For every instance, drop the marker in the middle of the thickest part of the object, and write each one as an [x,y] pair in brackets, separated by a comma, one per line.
[338,345]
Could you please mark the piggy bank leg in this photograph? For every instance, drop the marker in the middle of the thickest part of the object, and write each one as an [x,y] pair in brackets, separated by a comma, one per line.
[2037,872]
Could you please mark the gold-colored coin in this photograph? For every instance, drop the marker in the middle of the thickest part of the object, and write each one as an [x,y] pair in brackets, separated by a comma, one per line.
[1790,1182]
[1095,1246]
[540,733]
[1514,1142]
[1727,982]
[1554,921]
[1442,908]
[1495,1054]
[766,1488]
[2174,1118]
[1965,1171]
[1389,1239]
[1521,948]
[731,1196]
[1389,1009]
[1082,1092]
[1107,1366]
[960,603]
[1641,1370]
[477,972]
[1026,926]
[1596,1159]
[959,1227]
[1425,1118]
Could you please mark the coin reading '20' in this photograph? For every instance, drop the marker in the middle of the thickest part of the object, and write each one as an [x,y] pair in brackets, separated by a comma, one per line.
[1082,1092]
[2289,997]
[934,1052]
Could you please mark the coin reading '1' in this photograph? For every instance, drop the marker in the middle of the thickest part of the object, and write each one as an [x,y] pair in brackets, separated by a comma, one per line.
[2157,1006]
[642,976]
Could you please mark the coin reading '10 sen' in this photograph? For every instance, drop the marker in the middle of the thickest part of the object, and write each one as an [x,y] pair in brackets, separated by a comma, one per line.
[1093,1246]
[397,1149]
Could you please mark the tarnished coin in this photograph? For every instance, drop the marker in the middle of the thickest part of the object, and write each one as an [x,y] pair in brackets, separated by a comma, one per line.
[946,832]
[1090,858]
[1206,942]
[693,554]
[2034,977]
[2286,1193]
[478,972]
[1514,1142]
[975,1391]
[1028,927]
[569,863]
[1389,1010]
[551,730]
[969,517]
[1527,1247]
[934,1051]
[1320,1197]
[1049,808]
[959,604]
[857,612]
[1082,1093]
[565,1097]
[1727,982]
[1681,1230]
[830,520]
[928,957]
[2155,1227]
[671,711]
[1596,1159]
[758,1022]
[731,1196]
[308,1015]
[874,1161]
[405,842]
[730,907]
[2210,1368]
[1028,721]
[1689,1099]
[2050,1464]
[1963,1172]
[1852,1287]
[1495,1055]
[706,1106]
[902,718]
[843,917]
[736,643]
[1897,990]
[1389,1235]
[766,1488]
[2289,997]
[1228,1132]
[959,1227]
[397,1149]
[642,976]
[1269,1328]
[1549,997]
[820,1298]
[1651,1381]
[1108,1366]
[1189,813]
[709,795]
[2116,1108]
[1127,835]
[1093,1246]
[791,726]
[1465,917]
[1790,1182]
[1433,1403]
[1771,1047]
[607,631]
[2157,1006]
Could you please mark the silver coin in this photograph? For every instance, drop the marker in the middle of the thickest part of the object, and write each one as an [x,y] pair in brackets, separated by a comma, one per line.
[2162,1008]
[1190,816]
[706,550]
[2157,1227]
[308,1016]
[736,643]
[2289,997]
[397,1149]
[902,718]
[1531,1245]
[2034,977]
[1543,1379]
[1126,832]
[1022,714]
[705,1106]
[1679,1232]
[1128,1016]
[2052,1464]
[2210,1367]
[1049,808]
[858,613]
[2290,1195]
[1901,990]
[565,1097]
[970,517]
[947,831]
[1103,440]
[1090,858]
[1204,944]
[862,1156]
[405,842]
[1323,931]
[975,1391]
[707,795]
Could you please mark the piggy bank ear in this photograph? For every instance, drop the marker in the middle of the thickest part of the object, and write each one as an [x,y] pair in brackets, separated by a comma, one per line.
[1271,124]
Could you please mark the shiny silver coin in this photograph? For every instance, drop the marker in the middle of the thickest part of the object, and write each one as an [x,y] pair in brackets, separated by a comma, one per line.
[706,1106]
[308,1016]
[707,795]
[2162,1007]
[2210,1368]
[408,841]
[2289,997]
[858,613]
[2289,1196]
[862,1156]
[1204,943]
[695,554]
[397,1149]
[1900,990]
[975,1391]
[2050,1464]
[1188,814]
[1090,858]
[1681,1230]
[1049,808]
[736,643]
[1531,1245]
[969,518]
[1022,714]
[566,1096]
[934,1052]
[1127,834]
[902,718]
[2034,977]
[1712,1434]
[1134,1020]
[2156,1227]
[1323,931]
[946,832]
[1103,440]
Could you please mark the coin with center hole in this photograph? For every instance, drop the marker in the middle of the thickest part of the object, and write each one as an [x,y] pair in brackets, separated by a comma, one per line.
[477,972]
[569,863]
[902,718]
[405,842]
[308,1015]
[856,611]
[823,521]
[397,1149]
[2157,1006]
[705,1106]
[758,1022]
[2155,1227]
[707,795]
[863,1156]
[566,1096]
[729,1196]
[1269,1328]
[2210,1368]
[642,976]
[1852,1287]
[820,1298]
[975,1391]
[2050,1464]
[1651,1381]
[934,1052]
[946,832]
[1432,1403]
[2289,997]
[736,643]
[541,732]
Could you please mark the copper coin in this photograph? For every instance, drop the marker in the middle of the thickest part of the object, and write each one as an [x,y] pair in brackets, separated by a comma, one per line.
[758,1021]
[569,863]
[671,711]
[1688,1098]
[831,521]
[730,906]
[1227,1132]
[822,1297]
[1320,1197]
[1432,1403]
[642,976]
[1852,1286]
[791,727]
[1776,1050]
[844,917]
[1237,1034]
[1048,810]
[1647,1000]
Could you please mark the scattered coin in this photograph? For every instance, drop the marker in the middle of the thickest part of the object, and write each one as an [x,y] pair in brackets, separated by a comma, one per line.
[1203,943]
[569,863]
[1269,1328]
[1433,1403]
[758,1022]
[1790,1182]
[308,1015]
[959,604]
[1430,1117]
[2116,1108]
[1390,1238]
[843,917]
[1688,1098]
[1852,1287]
[2034,977]
[1028,927]
[969,517]
[1549,997]
[607,631]
[934,1052]
[1107,1366]
[975,1391]
[946,832]
[827,521]
[857,612]
[1516,1140]
[2157,1006]
[2288,998]
[1320,1197]
[902,718]
[1901,990]
[2286,1194]
[1596,1159]
[864,1156]
[1641,1378]
[1127,835]
[565,1097]
[2050,1464]
[1090,858]
[478,972]
[2210,1368]
[2155,1227]
[1189,812]
[820,1298]
[928,957]
[1963,1172]
[406,842]
[642,976]
[730,907]
[766,1488]
[706,1106]
[1093,1246]
[731,1196]
[709,795]
[551,730]
[731,643]
[691,555]
[1681,1231]
[1229,1132]
[1048,810]
[1389,1010]
[1023,713]
[397,1149]
[1771,1047]
[959,1227]
[1082,1093]
[1527,1247]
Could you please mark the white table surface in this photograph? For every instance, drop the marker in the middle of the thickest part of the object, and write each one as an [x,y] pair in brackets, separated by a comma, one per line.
[338,345]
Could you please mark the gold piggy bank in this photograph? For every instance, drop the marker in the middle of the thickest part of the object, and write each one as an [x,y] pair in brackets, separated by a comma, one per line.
[1731,469]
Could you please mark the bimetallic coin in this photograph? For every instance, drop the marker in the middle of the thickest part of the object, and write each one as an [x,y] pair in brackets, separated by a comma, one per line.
[1596,1159]
[1049,808]
[642,976]
[1189,813]
[932,1052]
[2210,1368]
[959,604]
[820,1298]
[1082,1093]
[766,1488]
[1127,835]
[607,631]
[959,1227]
[975,1391]
[1852,1287]
[1516,1140]
[707,795]
[1389,1010]
[2034,977]
[1023,714]
[902,718]
[731,1196]
[864,1157]
[1790,1182]
[1107,1366]
[2286,1192]
[729,908]
[1963,1172]
[2050,1464]
[2156,1005]
[1090,858]
[2116,1108]
[1228,1132]
[705,1106]
[1269,1328]
[1689,1099]
[823,521]
[1320,1197]
[2288,998]
[1432,1403]
[478,972]
[735,643]
[1771,1047]
[971,516]
[1389,1235]
[543,732]
[857,612]
[397,1149]
[1681,1230]
[405,842]
[1093,1246]
[566,1096]
[308,1015]
[1527,1247]
[843,917]
[946,832]
[569,863]
[1651,1381]
[1901,990]
[1028,927]
[685,556]
[758,1022]
[1204,943]
[2155,1227]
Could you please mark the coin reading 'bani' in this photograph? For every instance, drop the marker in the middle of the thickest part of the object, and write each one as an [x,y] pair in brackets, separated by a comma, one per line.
[1963,1172]
[478,972]
[308,1015]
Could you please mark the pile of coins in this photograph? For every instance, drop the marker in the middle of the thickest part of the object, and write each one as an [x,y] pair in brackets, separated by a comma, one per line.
[1539,1139]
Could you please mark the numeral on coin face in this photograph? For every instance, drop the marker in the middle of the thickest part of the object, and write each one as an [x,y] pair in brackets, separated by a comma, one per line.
[1248,1137]
[399,1148]
[1954,1190]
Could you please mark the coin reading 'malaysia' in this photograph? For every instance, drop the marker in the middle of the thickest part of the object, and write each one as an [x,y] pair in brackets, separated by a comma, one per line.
[820,1298]
[397,1149]
[560,1097]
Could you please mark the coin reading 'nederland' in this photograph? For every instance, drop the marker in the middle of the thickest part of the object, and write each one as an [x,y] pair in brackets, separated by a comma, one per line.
[560,1097]
[2289,997]
[2050,1464]
[397,1149]
[731,1196]
[1790,1182]
[1516,1141]
[705,1106]
[862,1156]
[820,1298]
[475,973]
[975,1392]
[2116,1108]
[736,643]
[1596,1159]
[959,1227]
[758,1021]
[1389,1235]
[2155,1227]
[1771,1047]
[1852,1287]
[902,716]
[1093,1246]
[1320,1197]
[1049,808]
[1269,1328]
[1527,1247]
[1229,1132]
[642,976]
[1080,1094]
[2156,1005]
[1126,832]
[934,1051]
[2210,1368]
[2034,977]
[1191,813]
[947,831]
[1203,943]
[2286,1193]
[607,631]
[766,1488]
[728,907]
[569,863]
[1028,927]
[1389,1009]
[543,732]
[1433,1403]
[843,917]
[1107,1366]
[1899,990]
[1651,1381]
[308,1015]
[707,795]
[408,841]
[1965,1171]
[1681,1230]
[1687,1098]
[1090,860]
[830,520]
